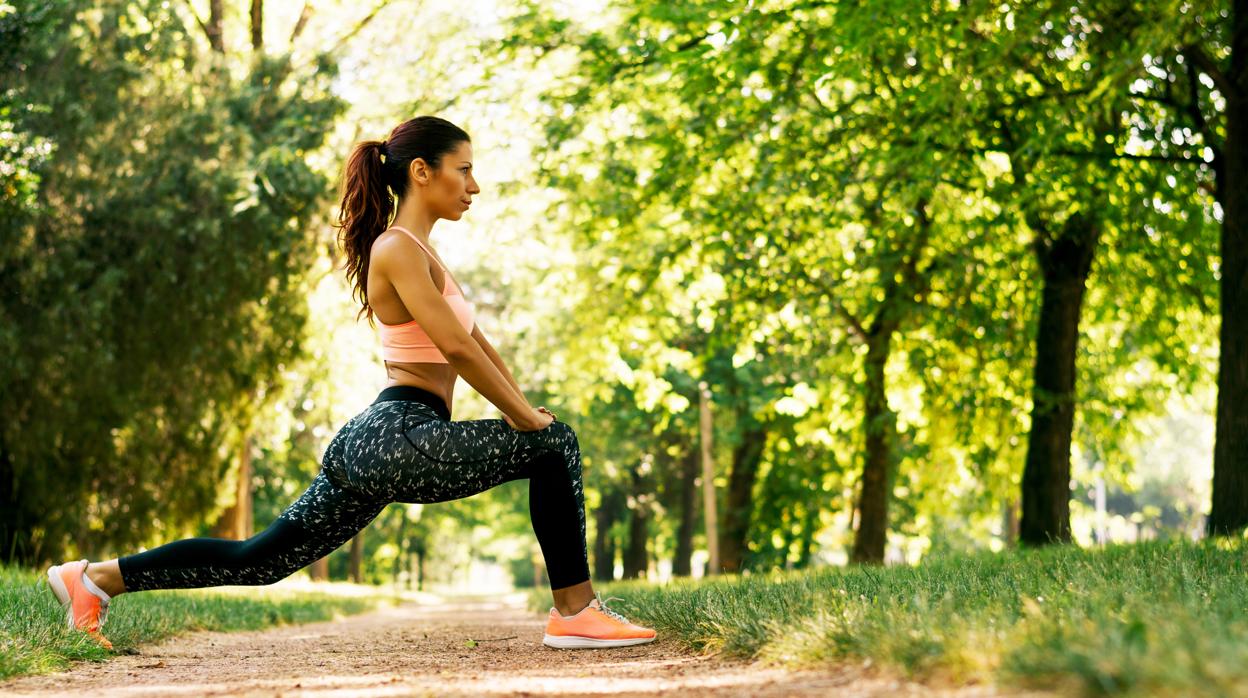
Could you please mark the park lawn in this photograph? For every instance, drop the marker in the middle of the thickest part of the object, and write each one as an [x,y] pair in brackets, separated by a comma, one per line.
[35,639]
[1155,618]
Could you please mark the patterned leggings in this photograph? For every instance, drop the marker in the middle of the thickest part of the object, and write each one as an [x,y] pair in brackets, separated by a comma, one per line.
[402,448]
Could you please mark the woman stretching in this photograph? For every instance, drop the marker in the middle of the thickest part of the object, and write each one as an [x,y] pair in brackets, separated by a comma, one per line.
[404,446]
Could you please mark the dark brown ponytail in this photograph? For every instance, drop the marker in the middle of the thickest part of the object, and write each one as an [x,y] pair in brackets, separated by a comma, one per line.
[375,175]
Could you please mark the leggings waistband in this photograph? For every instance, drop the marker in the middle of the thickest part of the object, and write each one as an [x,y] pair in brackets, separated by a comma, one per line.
[413,393]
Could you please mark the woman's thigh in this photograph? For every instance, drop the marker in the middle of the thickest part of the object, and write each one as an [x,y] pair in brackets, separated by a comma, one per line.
[414,456]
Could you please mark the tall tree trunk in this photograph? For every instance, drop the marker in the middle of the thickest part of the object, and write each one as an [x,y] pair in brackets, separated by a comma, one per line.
[215,27]
[636,557]
[1009,522]
[237,520]
[905,290]
[709,509]
[539,572]
[401,538]
[806,545]
[604,544]
[1229,514]
[682,563]
[420,548]
[879,427]
[319,570]
[1065,262]
[257,25]
[355,568]
[740,505]
[11,540]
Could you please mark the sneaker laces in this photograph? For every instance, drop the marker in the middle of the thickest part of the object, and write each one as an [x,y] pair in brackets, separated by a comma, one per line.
[602,606]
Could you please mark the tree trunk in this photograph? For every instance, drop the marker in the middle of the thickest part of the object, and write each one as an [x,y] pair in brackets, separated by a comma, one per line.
[237,521]
[604,544]
[708,479]
[682,563]
[401,539]
[319,570]
[257,25]
[636,558]
[806,545]
[740,505]
[420,565]
[539,572]
[1065,263]
[215,27]
[11,519]
[1229,514]
[879,428]
[1010,522]
[355,567]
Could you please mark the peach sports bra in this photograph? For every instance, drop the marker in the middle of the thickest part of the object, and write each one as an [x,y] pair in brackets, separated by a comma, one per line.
[407,341]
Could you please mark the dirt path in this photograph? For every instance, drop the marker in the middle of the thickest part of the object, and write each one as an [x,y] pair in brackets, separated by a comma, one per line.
[418,649]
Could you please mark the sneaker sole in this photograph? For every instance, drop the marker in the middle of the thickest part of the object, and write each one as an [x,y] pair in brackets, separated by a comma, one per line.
[566,642]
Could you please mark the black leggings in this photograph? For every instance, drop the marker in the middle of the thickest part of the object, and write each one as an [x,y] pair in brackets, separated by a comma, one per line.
[402,448]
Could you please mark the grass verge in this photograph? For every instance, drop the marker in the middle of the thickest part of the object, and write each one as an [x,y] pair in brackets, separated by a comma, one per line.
[35,639]
[1155,618]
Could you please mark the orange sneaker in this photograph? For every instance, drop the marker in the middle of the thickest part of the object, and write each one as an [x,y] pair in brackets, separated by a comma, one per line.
[84,610]
[594,626]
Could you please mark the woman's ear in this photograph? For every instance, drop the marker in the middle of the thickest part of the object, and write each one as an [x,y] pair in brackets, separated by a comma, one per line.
[419,170]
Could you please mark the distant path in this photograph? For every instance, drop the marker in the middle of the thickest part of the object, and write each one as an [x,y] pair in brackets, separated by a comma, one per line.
[417,649]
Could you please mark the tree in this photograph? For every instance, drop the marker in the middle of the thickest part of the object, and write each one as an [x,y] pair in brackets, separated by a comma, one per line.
[158,242]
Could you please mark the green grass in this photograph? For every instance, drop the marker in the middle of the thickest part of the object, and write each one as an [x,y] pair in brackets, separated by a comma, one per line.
[34,638]
[1157,618]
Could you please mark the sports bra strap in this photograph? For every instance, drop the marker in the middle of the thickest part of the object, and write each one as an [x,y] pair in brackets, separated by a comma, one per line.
[422,245]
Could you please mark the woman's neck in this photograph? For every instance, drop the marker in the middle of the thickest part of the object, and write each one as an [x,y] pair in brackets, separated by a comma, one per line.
[416,219]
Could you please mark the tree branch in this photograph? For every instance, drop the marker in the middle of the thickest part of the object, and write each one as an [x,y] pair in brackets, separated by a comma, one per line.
[1196,55]
[345,37]
[304,16]
[200,22]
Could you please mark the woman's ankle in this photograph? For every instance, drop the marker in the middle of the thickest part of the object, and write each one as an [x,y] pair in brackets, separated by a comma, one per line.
[571,600]
[569,610]
[106,576]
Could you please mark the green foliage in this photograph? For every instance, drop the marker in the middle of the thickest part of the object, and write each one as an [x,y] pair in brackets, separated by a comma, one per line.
[151,267]
[759,194]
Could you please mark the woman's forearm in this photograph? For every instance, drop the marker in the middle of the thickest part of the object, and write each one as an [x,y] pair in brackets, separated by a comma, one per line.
[474,366]
[502,368]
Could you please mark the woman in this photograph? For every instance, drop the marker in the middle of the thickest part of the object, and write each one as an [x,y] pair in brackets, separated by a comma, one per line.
[404,446]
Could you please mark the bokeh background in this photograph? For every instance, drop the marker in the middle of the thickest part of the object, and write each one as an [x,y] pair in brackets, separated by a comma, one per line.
[815,282]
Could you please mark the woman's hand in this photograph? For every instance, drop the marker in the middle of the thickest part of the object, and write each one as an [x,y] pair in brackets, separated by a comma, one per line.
[542,418]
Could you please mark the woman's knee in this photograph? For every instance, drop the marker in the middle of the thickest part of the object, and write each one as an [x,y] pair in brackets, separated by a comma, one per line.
[563,431]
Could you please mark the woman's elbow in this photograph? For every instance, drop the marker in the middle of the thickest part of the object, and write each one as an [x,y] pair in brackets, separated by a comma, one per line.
[458,351]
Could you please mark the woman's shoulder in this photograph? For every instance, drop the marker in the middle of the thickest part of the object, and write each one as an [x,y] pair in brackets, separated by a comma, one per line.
[394,243]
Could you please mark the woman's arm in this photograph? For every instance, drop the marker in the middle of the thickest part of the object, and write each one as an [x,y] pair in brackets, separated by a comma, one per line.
[414,284]
[496,359]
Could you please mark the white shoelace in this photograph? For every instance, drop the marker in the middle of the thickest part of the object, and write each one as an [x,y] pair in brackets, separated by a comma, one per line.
[602,606]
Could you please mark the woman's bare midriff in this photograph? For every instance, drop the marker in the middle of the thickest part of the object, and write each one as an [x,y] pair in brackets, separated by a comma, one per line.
[438,379]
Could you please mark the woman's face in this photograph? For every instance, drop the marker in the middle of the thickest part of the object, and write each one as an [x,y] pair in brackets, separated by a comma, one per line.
[448,192]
